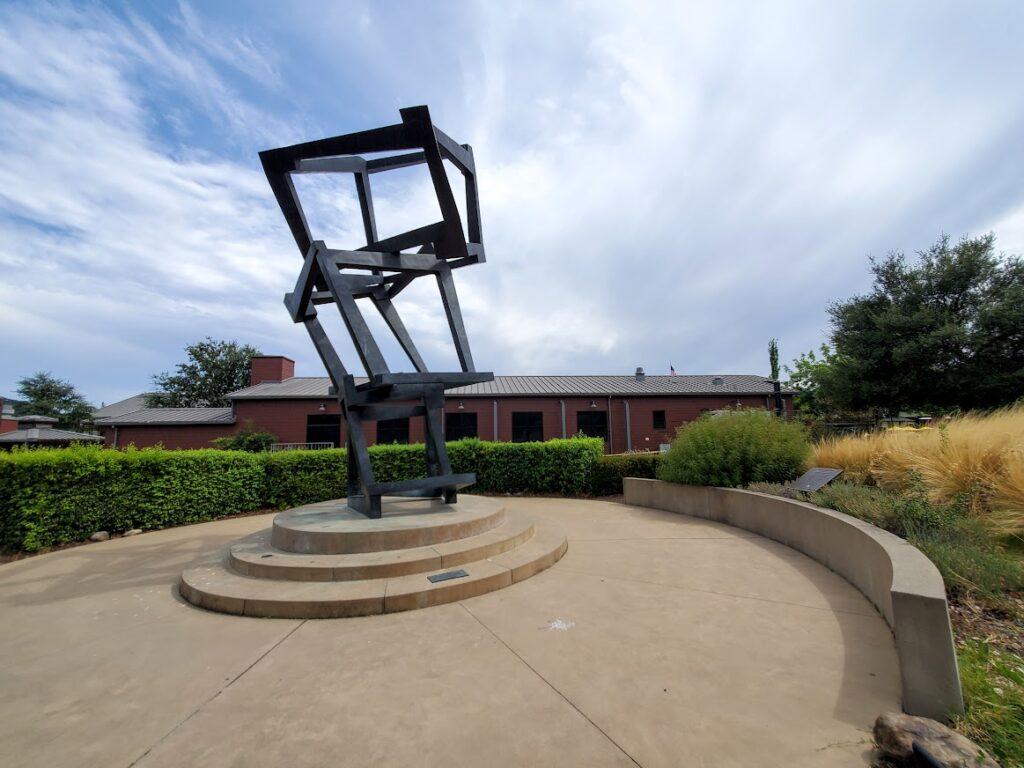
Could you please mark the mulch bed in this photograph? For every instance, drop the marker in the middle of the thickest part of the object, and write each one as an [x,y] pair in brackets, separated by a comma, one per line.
[1000,627]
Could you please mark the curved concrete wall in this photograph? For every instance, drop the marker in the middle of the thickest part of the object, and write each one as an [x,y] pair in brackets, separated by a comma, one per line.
[901,582]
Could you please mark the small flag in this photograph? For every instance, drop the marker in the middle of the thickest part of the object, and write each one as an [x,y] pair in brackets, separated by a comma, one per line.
[671,369]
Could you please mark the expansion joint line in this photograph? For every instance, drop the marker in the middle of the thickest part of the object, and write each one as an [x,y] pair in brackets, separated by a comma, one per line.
[221,690]
[564,698]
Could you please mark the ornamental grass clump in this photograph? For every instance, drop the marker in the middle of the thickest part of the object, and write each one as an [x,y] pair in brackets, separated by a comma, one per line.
[975,460]
[736,448]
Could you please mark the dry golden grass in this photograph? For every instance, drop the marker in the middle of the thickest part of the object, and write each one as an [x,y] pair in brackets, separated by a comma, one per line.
[977,459]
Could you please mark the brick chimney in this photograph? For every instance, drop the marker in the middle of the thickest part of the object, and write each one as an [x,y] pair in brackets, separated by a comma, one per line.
[270,368]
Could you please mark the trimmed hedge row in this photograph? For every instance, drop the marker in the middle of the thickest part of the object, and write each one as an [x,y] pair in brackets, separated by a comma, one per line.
[609,471]
[49,497]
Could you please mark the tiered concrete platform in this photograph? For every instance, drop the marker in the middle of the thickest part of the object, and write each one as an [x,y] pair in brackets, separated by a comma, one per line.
[328,561]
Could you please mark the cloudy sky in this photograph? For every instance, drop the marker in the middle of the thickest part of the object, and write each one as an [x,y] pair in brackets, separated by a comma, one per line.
[660,184]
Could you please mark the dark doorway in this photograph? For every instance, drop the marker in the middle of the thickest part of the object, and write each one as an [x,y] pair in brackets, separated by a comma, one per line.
[527,427]
[592,423]
[459,426]
[324,428]
[392,431]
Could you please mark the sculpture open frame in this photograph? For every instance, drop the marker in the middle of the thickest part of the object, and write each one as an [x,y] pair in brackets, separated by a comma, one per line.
[379,271]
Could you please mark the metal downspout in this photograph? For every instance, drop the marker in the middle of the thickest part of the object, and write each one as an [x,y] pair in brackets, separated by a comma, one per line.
[629,430]
[561,404]
[611,444]
[495,420]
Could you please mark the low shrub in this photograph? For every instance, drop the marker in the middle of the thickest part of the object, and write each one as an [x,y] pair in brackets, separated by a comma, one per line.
[734,449]
[50,497]
[293,478]
[53,496]
[609,471]
[248,438]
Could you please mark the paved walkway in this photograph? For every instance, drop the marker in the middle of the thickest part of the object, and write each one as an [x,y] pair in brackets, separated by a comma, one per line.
[658,640]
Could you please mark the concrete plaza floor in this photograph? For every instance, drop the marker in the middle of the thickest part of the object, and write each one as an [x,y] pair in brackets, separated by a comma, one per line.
[658,640]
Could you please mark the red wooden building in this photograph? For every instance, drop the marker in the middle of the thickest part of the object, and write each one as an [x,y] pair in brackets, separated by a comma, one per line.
[632,413]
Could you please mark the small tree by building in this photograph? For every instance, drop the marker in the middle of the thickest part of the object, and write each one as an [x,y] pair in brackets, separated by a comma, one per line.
[46,395]
[773,358]
[214,368]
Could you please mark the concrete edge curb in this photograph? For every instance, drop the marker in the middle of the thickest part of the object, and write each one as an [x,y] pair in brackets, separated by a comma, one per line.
[903,584]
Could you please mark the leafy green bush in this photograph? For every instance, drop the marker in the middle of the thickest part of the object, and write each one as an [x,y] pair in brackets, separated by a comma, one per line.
[609,471]
[293,478]
[736,448]
[248,438]
[53,496]
[49,497]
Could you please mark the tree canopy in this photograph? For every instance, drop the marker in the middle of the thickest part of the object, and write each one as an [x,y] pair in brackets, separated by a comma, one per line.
[944,332]
[213,369]
[44,394]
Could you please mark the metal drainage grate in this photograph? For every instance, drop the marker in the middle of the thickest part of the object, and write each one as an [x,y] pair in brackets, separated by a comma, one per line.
[447,575]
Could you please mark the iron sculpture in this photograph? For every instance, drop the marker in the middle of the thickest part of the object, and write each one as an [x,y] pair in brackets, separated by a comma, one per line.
[379,271]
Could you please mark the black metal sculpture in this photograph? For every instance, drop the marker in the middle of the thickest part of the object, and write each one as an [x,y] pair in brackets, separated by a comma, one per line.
[380,270]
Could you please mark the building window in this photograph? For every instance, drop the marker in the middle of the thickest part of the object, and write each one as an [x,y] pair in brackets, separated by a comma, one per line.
[659,420]
[392,431]
[592,423]
[459,426]
[324,428]
[527,426]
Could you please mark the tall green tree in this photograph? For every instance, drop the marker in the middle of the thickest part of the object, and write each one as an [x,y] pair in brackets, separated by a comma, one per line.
[813,377]
[44,394]
[944,332]
[213,369]
[773,358]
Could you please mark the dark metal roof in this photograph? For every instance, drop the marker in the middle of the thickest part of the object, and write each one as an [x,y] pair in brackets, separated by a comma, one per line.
[171,416]
[35,418]
[533,386]
[46,435]
[121,407]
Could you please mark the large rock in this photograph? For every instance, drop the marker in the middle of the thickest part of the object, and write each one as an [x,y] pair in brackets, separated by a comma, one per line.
[897,734]
[99,536]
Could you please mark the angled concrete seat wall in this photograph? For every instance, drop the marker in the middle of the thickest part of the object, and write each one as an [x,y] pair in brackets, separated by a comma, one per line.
[903,584]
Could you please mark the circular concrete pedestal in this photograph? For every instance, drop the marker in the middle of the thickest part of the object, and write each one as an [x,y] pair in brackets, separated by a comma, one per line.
[327,561]
[333,528]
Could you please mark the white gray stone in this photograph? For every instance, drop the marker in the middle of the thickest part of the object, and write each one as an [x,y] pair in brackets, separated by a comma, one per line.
[99,536]
[133,532]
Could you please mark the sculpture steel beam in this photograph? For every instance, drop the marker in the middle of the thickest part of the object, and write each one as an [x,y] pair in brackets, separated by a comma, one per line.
[378,271]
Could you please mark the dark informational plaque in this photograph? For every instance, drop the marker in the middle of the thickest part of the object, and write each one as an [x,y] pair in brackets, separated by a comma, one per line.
[816,478]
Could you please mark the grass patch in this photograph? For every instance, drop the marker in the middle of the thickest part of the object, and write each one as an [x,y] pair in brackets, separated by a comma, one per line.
[993,683]
[975,460]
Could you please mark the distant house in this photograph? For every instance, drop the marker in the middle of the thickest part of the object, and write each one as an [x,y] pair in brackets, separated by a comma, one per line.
[8,423]
[121,407]
[631,413]
[38,430]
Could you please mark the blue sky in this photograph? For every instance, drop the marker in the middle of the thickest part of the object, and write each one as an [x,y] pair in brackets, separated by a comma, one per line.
[661,183]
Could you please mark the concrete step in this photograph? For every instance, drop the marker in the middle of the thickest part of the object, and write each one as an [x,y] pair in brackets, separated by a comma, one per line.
[216,586]
[255,556]
[332,528]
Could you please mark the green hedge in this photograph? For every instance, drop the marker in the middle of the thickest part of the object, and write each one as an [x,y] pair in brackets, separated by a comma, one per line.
[49,497]
[53,496]
[736,448]
[609,471]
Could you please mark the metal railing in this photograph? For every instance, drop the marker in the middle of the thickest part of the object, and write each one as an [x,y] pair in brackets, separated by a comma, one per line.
[275,447]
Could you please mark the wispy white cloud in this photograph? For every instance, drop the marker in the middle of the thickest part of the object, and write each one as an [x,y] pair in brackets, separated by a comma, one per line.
[663,183]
